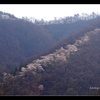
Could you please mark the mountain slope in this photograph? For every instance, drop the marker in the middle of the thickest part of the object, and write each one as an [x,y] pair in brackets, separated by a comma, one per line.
[61,31]
[20,39]
[73,69]
[62,53]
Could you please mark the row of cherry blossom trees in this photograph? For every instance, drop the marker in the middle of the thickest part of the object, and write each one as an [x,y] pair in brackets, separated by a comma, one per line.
[60,55]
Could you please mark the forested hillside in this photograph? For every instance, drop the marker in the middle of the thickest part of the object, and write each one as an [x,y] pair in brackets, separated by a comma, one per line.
[71,69]
[64,28]
[61,31]
[59,57]
[20,39]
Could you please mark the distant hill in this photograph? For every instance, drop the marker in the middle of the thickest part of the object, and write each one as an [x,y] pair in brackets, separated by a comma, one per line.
[61,31]
[20,39]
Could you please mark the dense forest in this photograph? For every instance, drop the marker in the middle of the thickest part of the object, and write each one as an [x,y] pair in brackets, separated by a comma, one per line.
[19,40]
[53,59]
[60,31]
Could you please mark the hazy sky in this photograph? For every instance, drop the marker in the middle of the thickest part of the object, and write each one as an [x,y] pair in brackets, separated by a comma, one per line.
[48,11]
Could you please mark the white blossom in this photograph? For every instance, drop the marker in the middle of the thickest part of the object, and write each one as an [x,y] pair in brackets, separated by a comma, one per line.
[23,69]
[85,38]
[72,48]
[5,74]
[40,87]
[78,42]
